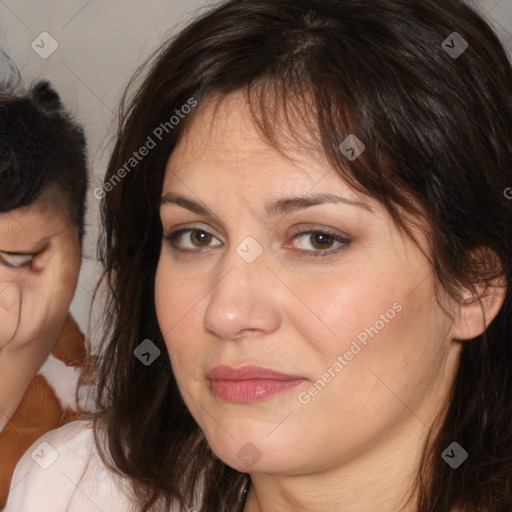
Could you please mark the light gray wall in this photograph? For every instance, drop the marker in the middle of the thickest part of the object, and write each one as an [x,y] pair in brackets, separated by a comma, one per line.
[100,44]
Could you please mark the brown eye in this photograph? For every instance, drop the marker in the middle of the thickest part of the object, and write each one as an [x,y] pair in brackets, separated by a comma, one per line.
[319,243]
[321,240]
[191,239]
[200,238]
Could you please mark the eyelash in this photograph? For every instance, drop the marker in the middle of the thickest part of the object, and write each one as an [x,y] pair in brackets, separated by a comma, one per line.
[15,260]
[336,238]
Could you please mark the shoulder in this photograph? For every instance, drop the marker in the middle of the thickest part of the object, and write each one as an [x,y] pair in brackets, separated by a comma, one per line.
[62,471]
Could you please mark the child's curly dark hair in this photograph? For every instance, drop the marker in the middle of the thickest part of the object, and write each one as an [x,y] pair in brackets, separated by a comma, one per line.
[40,145]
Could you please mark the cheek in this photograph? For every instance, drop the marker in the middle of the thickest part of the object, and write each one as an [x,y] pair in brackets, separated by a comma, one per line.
[378,327]
[173,298]
[72,260]
[341,310]
[178,310]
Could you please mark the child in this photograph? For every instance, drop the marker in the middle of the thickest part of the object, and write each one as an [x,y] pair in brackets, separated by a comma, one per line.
[43,181]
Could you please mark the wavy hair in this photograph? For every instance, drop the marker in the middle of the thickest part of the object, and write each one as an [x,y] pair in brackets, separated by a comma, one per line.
[437,129]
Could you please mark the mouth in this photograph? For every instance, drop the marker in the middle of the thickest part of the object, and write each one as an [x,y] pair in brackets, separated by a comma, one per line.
[249,383]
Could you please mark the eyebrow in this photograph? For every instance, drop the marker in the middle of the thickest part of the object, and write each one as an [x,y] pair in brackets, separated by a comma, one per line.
[278,207]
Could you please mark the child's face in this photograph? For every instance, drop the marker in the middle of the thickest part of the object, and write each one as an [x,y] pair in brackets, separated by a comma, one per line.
[40,256]
[362,350]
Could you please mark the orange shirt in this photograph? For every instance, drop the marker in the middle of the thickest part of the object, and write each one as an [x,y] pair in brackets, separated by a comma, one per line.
[40,410]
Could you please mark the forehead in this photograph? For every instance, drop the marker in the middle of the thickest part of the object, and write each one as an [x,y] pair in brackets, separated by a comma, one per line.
[222,160]
[222,145]
[23,228]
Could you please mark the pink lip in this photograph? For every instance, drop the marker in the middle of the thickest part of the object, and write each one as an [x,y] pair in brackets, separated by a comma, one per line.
[249,383]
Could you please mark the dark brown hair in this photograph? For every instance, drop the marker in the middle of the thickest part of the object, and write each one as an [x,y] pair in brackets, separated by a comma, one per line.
[438,134]
[40,145]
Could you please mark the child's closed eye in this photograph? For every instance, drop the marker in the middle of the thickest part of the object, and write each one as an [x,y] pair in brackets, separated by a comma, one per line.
[15,259]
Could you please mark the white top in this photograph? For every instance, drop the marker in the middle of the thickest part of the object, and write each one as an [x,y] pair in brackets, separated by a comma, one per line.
[63,472]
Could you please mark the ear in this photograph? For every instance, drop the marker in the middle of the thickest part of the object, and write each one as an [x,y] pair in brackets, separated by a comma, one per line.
[479,306]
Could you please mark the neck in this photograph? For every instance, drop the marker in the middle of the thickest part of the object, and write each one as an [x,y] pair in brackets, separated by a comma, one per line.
[380,480]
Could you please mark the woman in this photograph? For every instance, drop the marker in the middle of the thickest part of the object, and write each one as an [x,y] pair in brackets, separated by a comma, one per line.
[43,180]
[305,211]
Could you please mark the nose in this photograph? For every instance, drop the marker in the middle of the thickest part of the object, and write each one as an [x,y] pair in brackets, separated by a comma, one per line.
[242,303]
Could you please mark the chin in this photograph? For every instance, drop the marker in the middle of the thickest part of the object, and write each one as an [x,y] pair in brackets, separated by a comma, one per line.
[263,465]
[252,453]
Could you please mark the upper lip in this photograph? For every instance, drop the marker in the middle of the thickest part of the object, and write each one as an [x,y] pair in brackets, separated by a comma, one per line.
[248,372]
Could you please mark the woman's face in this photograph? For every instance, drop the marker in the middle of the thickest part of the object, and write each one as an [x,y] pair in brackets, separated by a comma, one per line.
[301,324]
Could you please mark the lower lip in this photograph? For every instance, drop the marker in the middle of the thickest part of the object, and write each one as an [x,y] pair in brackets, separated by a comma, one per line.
[250,390]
